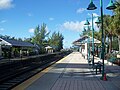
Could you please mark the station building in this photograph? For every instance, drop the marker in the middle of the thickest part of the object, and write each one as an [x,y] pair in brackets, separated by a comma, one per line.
[84,44]
[15,48]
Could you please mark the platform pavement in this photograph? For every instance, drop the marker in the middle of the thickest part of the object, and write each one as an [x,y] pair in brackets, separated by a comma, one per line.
[70,73]
[112,72]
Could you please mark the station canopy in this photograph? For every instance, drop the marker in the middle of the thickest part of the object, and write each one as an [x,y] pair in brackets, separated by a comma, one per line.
[85,39]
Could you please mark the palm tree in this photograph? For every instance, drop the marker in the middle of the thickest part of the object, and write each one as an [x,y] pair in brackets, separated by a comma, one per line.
[97,35]
[109,29]
[117,23]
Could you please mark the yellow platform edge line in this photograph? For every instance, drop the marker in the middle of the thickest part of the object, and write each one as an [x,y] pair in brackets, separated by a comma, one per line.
[31,80]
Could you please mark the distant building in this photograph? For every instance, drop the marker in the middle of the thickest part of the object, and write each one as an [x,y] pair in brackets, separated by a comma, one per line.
[82,43]
[49,49]
[14,48]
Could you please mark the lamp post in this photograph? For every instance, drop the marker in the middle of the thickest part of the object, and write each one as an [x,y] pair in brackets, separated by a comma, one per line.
[88,41]
[88,44]
[110,6]
[87,23]
[92,40]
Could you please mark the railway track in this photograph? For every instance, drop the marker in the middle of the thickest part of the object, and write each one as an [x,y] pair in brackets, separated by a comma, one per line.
[15,76]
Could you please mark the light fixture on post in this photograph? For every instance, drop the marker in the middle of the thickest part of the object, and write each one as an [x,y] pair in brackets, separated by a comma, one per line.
[98,22]
[110,6]
[87,22]
[91,6]
[84,31]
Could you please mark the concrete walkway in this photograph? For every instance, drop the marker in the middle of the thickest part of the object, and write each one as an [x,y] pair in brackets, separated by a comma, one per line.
[70,73]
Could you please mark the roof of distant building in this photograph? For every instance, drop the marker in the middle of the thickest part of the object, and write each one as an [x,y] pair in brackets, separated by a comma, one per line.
[16,43]
[84,39]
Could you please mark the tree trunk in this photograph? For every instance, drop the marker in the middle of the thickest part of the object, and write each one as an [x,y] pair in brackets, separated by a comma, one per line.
[119,42]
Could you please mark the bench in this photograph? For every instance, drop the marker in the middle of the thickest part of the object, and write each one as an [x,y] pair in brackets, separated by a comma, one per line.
[97,65]
[89,61]
[112,59]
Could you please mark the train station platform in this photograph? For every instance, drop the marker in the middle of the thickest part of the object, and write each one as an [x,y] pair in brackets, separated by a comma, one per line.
[72,73]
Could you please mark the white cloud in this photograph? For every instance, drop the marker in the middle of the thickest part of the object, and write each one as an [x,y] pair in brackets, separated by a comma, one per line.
[31,30]
[77,25]
[74,26]
[3,21]
[29,14]
[51,19]
[89,14]
[6,4]
[1,29]
[65,41]
[80,10]
[95,15]
[47,29]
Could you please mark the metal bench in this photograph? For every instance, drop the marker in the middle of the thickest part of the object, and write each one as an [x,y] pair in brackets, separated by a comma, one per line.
[89,61]
[97,65]
[112,59]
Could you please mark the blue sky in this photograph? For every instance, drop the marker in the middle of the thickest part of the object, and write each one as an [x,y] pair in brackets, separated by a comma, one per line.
[18,18]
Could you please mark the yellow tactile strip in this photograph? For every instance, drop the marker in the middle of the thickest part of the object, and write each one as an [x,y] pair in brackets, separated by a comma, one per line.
[28,82]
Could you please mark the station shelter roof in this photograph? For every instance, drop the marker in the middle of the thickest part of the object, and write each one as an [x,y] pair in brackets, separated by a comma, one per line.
[9,42]
[85,39]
